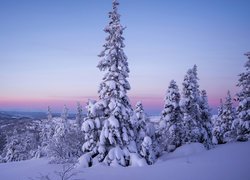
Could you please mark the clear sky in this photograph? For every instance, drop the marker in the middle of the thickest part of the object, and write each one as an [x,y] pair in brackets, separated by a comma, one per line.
[48,49]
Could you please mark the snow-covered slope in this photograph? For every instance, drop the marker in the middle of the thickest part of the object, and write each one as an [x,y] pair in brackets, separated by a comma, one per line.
[189,162]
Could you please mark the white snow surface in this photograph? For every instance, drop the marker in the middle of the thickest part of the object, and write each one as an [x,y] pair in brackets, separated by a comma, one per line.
[190,162]
[185,151]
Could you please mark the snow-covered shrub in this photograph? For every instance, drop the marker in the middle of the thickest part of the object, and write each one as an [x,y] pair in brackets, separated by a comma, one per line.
[147,151]
[85,161]
[65,144]
[117,156]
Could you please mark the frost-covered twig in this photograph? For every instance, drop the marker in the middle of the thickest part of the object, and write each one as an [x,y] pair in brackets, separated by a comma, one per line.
[42,177]
[65,174]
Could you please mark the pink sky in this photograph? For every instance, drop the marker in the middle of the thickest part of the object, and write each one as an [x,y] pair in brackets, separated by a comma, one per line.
[152,105]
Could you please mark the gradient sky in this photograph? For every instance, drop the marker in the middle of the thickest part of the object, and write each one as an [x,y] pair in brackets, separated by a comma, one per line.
[48,49]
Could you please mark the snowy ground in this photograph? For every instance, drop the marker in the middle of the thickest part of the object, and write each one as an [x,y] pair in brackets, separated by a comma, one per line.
[189,162]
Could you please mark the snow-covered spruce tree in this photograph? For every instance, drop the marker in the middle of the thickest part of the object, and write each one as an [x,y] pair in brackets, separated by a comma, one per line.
[75,131]
[242,122]
[49,114]
[65,114]
[190,108]
[145,135]
[116,140]
[227,117]
[206,120]
[62,126]
[46,133]
[139,123]
[202,107]
[50,126]
[195,83]
[195,109]
[216,131]
[142,124]
[79,116]
[117,136]
[91,131]
[170,122]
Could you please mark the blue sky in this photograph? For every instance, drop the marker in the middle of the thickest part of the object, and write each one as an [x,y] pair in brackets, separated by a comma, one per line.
[48,49]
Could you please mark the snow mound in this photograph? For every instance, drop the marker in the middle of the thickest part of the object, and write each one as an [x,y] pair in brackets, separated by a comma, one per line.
[137,161]
[84,161]
[228,161]
[187,150]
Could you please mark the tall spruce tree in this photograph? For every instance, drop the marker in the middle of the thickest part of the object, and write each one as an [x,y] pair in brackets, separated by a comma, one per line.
[206,120]
[49,114]
[190,108]
[145,135]
[195,82]
[216,130]
[79,115]
[140,123]
[242,122]
[227,117]
[47,132]
[195,109]
[198,101]
[170,122]
[116,140]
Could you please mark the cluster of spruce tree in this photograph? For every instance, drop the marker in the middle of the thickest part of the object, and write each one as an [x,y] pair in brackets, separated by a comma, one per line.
[117,134]
[234,123]
[186,117]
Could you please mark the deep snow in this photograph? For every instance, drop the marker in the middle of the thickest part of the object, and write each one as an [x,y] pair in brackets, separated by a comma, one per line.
[189,162]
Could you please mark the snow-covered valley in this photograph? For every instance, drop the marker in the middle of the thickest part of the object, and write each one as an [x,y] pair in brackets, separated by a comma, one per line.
[190,162]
